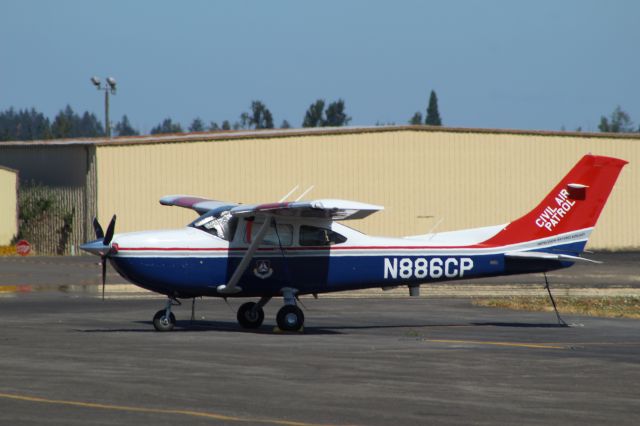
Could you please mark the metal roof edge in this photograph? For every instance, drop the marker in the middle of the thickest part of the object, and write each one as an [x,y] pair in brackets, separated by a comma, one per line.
[300,132]
[9,169]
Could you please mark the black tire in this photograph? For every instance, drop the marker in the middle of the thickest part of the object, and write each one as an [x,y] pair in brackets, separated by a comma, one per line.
[250,315]
[162,323]
[290,318]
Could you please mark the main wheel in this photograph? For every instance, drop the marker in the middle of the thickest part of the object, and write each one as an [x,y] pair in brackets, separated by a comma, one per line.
[250,315]
[162,323]
[290,318]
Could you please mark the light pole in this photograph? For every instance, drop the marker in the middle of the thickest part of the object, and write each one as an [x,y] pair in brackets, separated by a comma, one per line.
[110,87]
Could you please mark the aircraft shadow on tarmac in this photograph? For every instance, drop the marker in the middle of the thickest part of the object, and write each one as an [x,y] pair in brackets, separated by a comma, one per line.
[521,324]
[222,326]
[219,326]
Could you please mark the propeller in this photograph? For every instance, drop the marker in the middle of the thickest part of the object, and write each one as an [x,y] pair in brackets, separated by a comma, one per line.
[98,229]
[106,240]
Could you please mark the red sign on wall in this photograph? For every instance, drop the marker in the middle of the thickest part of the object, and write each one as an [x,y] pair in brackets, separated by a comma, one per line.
[23,248]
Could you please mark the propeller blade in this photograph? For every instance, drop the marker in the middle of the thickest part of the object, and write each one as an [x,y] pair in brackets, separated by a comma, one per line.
[104,273]
[110,229]
[98,229]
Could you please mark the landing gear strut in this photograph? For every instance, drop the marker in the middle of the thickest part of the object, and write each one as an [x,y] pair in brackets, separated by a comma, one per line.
[290,317]
[164,320]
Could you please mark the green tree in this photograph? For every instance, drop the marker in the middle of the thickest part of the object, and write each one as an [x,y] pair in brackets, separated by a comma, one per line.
[433,116]
[24,125]
[88,126]
[63,123]
[619,122]
[335,114]
[314,115]
[285,125]
[124,127]
[196,125]
[68,124]
[416,119]
[260,116]
[167,126]
[226,125]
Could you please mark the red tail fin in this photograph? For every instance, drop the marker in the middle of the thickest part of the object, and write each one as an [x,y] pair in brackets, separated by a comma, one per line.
[574,204]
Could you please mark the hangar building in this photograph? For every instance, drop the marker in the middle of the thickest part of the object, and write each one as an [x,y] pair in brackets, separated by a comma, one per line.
[9,211]
[426,177]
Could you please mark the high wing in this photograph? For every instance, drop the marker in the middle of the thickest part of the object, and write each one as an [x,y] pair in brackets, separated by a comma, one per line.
[331,209]
[199,204]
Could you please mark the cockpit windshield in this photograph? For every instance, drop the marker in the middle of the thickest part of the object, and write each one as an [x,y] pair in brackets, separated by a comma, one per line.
[218,222]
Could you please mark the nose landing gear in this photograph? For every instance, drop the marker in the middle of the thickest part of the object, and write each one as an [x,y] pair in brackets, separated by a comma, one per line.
[164,320]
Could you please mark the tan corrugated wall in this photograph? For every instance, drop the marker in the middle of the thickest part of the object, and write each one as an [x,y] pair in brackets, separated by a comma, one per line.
[9,210]
[461,179]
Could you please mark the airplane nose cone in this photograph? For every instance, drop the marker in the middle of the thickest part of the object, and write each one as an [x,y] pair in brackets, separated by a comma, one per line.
[97,247]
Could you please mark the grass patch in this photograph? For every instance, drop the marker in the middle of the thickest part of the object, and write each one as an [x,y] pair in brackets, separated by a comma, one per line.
[609,307]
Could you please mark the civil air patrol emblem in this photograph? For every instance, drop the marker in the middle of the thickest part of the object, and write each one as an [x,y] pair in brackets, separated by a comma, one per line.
[263,269]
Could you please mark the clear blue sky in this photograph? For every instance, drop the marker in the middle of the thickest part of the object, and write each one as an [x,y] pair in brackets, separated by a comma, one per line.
[494,64]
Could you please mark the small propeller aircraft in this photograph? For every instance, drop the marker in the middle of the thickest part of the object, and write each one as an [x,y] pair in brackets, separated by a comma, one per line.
[288,249]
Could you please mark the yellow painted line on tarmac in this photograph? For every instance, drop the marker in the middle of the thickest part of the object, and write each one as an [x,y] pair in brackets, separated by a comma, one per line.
[22,288]
[202,414]
[510,344]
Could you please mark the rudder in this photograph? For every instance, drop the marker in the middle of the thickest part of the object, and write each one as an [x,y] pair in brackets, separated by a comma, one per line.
[574,204]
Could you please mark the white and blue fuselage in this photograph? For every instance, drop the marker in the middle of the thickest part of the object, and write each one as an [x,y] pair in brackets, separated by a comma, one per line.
[191,262]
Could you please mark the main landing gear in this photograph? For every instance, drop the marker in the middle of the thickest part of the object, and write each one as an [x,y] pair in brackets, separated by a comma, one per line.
[290,317]
[250,315]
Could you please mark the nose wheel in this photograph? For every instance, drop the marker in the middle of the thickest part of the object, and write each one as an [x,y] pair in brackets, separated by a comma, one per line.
[164,320]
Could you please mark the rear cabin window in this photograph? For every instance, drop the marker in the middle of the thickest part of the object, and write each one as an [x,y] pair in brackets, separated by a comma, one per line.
[284,234]
[314,236]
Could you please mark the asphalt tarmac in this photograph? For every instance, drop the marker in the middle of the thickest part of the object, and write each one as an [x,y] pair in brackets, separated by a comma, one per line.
[72,359]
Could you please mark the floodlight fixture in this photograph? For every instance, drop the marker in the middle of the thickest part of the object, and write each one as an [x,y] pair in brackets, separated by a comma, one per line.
[109,87]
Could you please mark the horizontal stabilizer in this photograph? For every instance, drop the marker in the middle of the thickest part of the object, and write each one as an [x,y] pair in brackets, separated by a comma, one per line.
[539,255]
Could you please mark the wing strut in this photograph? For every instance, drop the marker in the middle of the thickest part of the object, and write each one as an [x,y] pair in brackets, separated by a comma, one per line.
[231,286]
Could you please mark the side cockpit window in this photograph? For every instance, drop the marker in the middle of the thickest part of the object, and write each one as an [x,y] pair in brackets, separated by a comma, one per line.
[315,236]
[218,223]
[280,235]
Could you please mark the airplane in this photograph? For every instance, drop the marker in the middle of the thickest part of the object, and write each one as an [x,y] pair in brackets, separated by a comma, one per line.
[292,248]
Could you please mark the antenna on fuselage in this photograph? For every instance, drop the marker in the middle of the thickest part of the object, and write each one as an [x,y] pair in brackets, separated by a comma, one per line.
[433,228]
